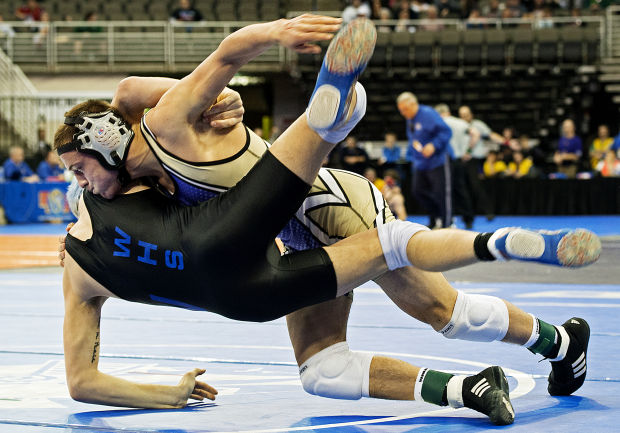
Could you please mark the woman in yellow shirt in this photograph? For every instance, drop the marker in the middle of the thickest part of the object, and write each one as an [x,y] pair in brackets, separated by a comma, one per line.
[493,166]
[519,167]
[600,145]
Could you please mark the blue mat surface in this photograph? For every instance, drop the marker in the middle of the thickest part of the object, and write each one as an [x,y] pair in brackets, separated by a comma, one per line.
[253,367]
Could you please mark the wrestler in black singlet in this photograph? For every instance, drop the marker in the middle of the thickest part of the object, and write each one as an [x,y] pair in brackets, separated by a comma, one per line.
[218,256]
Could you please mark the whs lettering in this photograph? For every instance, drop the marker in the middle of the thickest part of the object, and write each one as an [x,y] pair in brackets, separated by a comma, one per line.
[149,252]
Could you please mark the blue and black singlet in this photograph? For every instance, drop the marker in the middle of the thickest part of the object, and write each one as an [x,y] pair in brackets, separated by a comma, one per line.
[217,256]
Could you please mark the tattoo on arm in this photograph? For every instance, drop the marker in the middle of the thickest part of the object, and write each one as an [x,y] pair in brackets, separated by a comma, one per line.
[94,358]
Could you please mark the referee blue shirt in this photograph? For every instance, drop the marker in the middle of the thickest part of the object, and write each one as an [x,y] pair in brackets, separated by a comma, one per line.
[428,127]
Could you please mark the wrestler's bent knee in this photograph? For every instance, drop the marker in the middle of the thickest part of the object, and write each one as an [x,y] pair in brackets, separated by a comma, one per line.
[337,372]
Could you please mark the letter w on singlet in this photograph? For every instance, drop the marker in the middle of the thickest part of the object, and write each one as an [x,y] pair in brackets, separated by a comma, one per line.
[121,243]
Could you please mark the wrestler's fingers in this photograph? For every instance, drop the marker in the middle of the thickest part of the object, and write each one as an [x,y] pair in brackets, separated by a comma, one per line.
[69,226]
[233,112]
[225,104]
[308,49]
[225,123]
[205,387]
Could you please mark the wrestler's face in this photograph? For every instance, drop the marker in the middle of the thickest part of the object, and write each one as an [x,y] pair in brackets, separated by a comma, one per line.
[91,175]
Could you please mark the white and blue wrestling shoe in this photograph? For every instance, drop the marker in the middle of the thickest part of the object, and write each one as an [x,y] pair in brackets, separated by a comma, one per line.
[345,59]
[568,248]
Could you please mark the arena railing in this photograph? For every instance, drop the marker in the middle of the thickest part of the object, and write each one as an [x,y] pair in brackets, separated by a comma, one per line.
[31,112]
[120,45]
[14,113]
[612,17]
[162,46]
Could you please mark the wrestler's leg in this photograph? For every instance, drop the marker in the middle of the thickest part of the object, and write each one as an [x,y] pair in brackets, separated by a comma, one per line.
[430,298]
[330,369]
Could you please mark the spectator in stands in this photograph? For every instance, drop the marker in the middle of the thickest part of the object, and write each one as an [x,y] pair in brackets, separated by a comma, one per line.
[448,8]
[393,194]
[507,138]
[371,174]
[390,154]
[15,168]
[493,9]
[475,156]
[616,146]
[541,14]
[459,143]
[50,168]
[384,15]
[403,23]
[356,9]
[42,30]
[86,32]
[569,150]
[428,149]
[494,166]
[609,166]
[480,136]
[6,29]
[390,188]
[535,153]
[353,157]
[30,11]
[516,8]
[475,20]
[41,147]
[90,17]
[376,6]
[600,145]
[404,11]
[507,14]
[186,12]
[419,7]
[431,23]
[519,166]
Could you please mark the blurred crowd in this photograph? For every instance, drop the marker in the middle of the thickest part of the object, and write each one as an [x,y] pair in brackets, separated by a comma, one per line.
[19,164]
[475,12]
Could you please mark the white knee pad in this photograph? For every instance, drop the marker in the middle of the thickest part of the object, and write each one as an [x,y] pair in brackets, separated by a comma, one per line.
[336,372]
[477,318]
[394,237]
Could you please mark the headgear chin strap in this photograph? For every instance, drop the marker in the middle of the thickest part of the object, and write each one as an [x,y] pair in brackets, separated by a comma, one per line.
[103,135]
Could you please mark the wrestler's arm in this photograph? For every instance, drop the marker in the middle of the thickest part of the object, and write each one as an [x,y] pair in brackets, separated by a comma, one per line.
[186,101]
[134,94]
[87,384]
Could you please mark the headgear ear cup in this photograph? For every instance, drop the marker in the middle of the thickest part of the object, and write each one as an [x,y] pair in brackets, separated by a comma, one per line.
[103,135]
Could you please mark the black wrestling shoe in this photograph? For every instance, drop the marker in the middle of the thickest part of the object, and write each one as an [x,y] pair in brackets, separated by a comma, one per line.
[487,392]
[568,375]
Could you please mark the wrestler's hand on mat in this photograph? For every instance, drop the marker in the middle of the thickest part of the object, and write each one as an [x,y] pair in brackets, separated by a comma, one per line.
[226,112]
[61,245]
[194,389]
[298,33]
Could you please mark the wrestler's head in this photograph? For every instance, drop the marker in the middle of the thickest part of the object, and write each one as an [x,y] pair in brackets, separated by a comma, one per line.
[88,144]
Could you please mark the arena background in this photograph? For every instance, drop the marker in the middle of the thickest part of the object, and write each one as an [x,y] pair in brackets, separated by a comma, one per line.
[529,72]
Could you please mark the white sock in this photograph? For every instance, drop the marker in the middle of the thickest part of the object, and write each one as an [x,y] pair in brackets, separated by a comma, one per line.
[454,392]
[339,132]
